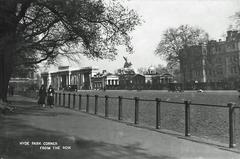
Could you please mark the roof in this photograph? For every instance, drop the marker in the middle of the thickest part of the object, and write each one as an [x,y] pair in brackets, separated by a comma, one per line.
[166,74]
[138,75]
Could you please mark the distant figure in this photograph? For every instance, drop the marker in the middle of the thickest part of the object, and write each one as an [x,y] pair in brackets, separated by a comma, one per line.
[42,95]
[50,96]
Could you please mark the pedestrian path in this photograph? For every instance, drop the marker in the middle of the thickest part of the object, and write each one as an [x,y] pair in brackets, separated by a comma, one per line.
[35,132]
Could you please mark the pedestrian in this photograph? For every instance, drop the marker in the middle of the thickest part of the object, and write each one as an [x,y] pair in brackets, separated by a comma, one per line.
[50,96]
[42,95]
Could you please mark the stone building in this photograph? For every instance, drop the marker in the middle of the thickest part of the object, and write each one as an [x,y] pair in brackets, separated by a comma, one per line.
[150,75]
[138,81]
[166,78]
[81,78]
[107,81]
[131,81]
[154,80]
[45,79]
[30,81]
[215,61]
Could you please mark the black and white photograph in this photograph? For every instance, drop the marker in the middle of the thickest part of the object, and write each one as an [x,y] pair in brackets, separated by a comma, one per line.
[119,79]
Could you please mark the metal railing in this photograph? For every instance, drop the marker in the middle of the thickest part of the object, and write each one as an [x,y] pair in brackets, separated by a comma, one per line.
[187,103]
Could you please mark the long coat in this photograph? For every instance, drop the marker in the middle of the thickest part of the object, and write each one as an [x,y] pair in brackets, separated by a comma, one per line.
[50,97]
[42,96]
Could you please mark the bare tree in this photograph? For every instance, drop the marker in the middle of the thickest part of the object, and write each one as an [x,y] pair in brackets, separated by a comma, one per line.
[235,22]
[175,39]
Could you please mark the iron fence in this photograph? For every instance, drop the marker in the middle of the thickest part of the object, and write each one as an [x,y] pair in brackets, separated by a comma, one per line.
[60,96]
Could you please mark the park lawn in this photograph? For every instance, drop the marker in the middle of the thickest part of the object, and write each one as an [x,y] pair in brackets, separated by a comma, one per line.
[206,122]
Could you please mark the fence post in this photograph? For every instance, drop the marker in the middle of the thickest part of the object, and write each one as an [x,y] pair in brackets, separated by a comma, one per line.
[106,106]
[87,106]
[120,108]
[79,101]
[187,118]
[59,98]
[69,97]
[63,99]
[158,112]
[136,110]
[74,96]
[232,143]
[96,104]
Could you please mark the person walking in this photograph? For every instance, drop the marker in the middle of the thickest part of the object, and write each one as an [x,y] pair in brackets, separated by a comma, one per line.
[42,95]
[50,96]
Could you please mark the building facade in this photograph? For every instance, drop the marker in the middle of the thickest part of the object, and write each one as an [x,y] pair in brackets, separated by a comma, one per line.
[80,78]
[105,81]
[138,81]
[213,62]
[30,82]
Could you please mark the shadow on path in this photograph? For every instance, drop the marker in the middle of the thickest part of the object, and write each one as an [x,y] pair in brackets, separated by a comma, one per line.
[15,129]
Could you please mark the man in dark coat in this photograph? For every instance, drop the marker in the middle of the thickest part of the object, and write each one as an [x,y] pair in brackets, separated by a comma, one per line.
[42,95]
[50,96]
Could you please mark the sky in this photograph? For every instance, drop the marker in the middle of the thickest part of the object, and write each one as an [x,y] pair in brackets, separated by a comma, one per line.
[213,16]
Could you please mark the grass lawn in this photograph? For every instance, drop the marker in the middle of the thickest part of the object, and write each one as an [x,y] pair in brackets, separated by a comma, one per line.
[206,122]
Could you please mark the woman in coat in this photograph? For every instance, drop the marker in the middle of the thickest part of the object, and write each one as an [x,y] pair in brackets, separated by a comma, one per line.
[50,97]
[42,95]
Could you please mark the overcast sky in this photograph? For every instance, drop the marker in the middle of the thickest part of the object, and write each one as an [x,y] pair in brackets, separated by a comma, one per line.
[211,15]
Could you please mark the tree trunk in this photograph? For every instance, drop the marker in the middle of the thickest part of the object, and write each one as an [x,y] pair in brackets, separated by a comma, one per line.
[7,50]
[8,28]
[6,65]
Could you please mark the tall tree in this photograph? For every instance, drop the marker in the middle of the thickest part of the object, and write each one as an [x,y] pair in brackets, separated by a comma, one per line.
[160,69]
[175,39]
[235,25]
[33,31]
